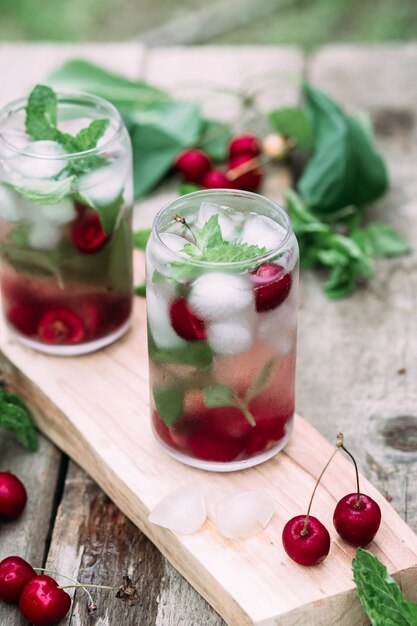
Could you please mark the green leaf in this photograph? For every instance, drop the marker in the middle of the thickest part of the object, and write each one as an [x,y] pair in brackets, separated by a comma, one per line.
[41,113]
[169,402]
[196,354]
[214,139]
[262,380]
[140,290]
[17,419]
[108,213]
[219,395]
[345,169]
[385,241]
[185,188]
[140,238]
[209,236]
[88,137]
[293,122]
[379,594]
[158,135]
[45,192]
[227,252]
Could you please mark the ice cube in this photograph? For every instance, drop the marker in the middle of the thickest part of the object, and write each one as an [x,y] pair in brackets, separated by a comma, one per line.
[227,226]
[216,296]
[157,258]
[278,328]
[182,510]
[244,514]
[32,167]
[159,321]
[262,231]
[231,336]
[61,213]
[44,235]
[103,186]
[10,207]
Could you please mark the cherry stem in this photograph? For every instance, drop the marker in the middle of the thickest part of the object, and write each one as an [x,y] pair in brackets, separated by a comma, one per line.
[358,492]
[339,444]
[183,221]
[247,166]
[91,586]
[76,583]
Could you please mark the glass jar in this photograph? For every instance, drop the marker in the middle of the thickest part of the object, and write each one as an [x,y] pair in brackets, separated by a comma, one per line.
[222,333]
[65,230]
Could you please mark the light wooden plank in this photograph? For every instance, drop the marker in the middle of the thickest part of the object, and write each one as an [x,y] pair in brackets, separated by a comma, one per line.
[357,360]
[102,421]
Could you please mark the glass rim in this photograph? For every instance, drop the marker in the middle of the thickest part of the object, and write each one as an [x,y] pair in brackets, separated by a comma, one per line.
[15,106]
[270,254]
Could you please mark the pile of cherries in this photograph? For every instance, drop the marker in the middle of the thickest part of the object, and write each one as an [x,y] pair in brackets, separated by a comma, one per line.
[356,518]
[243,169]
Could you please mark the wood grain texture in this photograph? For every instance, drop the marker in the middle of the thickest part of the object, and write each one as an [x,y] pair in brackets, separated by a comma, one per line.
[357,358]
[102,421]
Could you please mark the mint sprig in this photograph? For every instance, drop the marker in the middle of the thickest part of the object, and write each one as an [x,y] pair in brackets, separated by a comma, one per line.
[379,594]
[17,419]
[41,124]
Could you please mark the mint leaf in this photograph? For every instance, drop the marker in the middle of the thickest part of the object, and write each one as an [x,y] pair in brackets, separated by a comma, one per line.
[45,192]
[140,238]
[185,188]
[209,236]
[169,403]
[108,213]
[41,113]
[227,252]
[293,122]
[88,137]
[140,290]
[219,395]
[197,354]
[262,380]
[379,594]
[17,419]
[385,241]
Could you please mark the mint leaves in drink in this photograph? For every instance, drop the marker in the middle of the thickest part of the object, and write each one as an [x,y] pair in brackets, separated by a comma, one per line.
[17,419]
[379,594]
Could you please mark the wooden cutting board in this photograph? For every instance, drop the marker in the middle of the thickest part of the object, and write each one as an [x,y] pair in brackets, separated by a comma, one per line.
[96,409]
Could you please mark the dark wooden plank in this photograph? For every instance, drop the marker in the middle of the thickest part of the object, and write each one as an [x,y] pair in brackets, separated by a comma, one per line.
[357,360]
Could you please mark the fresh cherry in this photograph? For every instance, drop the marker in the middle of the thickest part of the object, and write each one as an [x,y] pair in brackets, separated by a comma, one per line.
[250,179]
[24,318]
[272,284]
[185,323]
[193,164]
[87,234]
[13,496]
[14,574]
[357,522]
[42,602]
[216,179]
[246,144]
[61,326]
[306,545]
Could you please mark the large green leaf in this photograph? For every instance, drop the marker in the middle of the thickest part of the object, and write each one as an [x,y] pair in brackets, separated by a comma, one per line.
[158,135]
[293,121]
[214,139]
[345,169]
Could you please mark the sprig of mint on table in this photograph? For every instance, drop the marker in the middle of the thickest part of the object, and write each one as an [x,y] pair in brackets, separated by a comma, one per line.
[17,419]
[379,594]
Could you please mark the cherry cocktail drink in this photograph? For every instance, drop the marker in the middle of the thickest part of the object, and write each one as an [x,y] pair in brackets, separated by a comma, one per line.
[65,221]
[222,292]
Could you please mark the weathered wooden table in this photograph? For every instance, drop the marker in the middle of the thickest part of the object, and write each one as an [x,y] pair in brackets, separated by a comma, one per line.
[357,358]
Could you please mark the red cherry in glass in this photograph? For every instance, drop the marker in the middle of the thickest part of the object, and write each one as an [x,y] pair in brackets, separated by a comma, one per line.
[246,144]
[61,326]
[14,574]
[357,525]
[310,548]
[216,179]
[42,602]
[249,180]
[272,284]
[214,447]
[193,164]
[185,323]
[87,234]
[13,496]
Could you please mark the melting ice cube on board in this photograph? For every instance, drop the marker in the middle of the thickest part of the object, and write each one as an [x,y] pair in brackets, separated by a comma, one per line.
[216,296]
[159,321]
[226,223]
[182,510]
[244,514]
[262,231]
[32,167]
